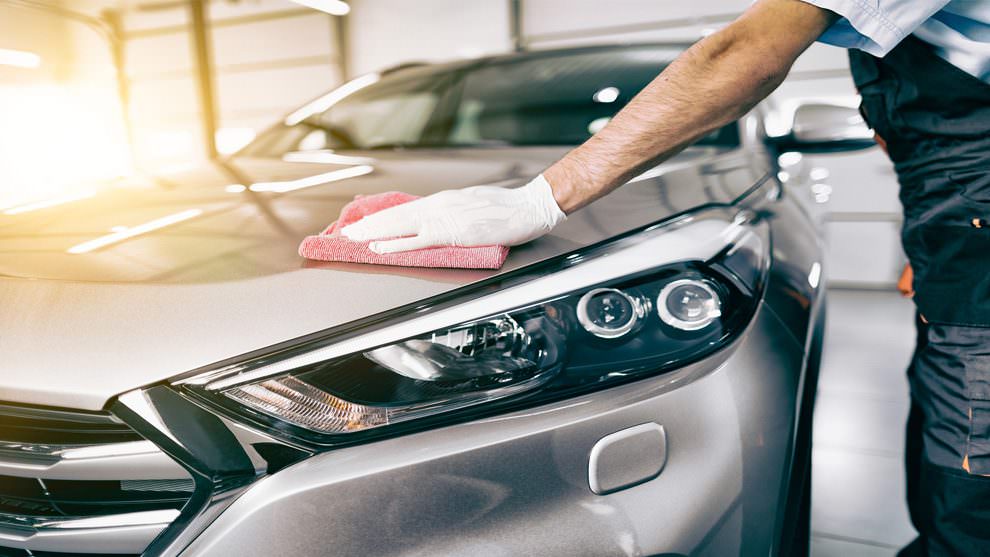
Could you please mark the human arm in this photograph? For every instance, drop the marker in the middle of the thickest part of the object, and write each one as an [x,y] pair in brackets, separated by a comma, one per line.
[713,83]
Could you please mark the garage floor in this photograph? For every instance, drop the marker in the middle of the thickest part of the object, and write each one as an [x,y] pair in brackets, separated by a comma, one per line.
[858,488]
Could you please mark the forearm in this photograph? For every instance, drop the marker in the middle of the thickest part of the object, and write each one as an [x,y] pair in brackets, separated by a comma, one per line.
[713,83]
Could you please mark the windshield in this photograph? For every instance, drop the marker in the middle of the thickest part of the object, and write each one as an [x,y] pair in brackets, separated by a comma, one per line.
[557,98]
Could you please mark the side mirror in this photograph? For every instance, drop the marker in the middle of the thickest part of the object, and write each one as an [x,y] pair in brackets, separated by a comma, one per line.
[820,127]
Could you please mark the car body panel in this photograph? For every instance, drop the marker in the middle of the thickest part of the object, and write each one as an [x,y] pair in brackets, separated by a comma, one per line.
[508,484]
[228,285]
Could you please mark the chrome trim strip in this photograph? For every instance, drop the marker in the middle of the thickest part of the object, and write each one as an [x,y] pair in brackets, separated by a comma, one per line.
[76,416]
[28,453]
[691,238]
[136,460]
[122,533]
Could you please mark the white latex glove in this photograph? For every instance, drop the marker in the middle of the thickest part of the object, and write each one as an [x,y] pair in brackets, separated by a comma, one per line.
[476,216]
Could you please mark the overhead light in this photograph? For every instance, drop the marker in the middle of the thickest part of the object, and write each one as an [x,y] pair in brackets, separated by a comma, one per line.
[332,7]
[597,124]
[19,59]
[133,231]
[606,95]
[818,174]
[46,203]
[789,159]
[324,156]
[231,140]
[333,97]
[815,275]
[172,144]
[310,181]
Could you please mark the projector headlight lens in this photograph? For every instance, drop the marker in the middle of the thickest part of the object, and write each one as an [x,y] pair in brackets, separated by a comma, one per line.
[689,304]
[610,313]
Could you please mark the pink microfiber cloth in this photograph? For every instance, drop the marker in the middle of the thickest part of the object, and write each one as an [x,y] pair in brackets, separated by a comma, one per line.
[330,245]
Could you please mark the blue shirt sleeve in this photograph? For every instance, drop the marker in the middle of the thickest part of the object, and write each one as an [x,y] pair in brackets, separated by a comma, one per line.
[875,26]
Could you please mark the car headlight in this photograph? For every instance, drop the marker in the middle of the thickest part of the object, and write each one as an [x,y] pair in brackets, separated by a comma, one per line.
[634,307]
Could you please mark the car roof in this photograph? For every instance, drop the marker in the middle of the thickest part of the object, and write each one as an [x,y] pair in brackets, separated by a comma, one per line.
[535,55]
[587,49]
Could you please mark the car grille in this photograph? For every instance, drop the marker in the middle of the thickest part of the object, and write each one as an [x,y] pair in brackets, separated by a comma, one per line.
[75,483]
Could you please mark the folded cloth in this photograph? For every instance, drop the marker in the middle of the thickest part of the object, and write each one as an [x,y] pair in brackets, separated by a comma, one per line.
[330,245]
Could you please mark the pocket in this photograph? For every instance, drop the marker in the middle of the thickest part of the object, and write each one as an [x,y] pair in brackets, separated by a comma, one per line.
[978,384]
[978,444]
[974,185]
[954,286]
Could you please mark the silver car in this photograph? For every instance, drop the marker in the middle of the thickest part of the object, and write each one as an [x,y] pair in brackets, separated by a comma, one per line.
[178,381]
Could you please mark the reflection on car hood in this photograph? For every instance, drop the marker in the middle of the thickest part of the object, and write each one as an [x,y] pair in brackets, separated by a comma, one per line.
[136,284]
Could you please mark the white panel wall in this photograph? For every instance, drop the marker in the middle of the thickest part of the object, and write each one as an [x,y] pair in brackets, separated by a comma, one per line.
[60,122]
[385,32]
[38,33]
[545,20]
[31,33]
[856,254]
[269,57]
[151,56]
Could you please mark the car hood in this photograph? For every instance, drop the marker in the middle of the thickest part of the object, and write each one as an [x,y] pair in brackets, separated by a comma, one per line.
[136,282]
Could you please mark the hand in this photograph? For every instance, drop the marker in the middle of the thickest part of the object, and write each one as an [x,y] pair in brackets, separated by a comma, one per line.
[905,284]
[476,216]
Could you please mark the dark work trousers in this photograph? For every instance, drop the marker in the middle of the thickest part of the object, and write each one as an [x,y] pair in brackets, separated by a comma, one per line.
[935,119]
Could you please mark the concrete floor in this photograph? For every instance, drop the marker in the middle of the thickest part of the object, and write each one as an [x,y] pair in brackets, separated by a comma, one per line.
[858,507]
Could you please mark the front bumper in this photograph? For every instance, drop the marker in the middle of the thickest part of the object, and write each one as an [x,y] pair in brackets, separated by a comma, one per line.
[507,484]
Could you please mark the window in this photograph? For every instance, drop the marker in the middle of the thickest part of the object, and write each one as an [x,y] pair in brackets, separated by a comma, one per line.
[556,98]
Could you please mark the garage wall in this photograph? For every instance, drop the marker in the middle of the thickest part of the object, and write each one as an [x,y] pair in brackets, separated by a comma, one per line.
[269,57]
[62,106]
[32,41]
[33,32]
[567,22]
[386,32]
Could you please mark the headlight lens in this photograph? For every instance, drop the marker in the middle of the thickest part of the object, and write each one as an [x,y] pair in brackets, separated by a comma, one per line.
[689,304]
[449,369]
[610,312]
[533,339]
